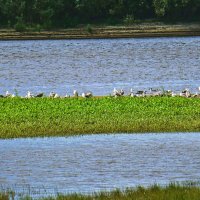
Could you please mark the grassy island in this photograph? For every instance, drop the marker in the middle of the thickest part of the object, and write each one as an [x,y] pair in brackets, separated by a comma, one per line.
[170,192]
[20,117]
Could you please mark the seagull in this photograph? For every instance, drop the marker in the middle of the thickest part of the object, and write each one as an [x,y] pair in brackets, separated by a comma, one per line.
[115,92]
[156,92]
[56,96]
[185,93]
[140,93]
[181,94]
[75,93]
[39,95]
[52,94]
[9,94]
[153,90]
[83,95]
[67,96]
[87,95]
[195,95]
[131,93]
[173,94]
[29,95]
[118,93]
[121,92]
[188,94]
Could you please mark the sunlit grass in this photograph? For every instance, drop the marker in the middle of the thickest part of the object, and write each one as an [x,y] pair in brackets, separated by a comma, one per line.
[71,116]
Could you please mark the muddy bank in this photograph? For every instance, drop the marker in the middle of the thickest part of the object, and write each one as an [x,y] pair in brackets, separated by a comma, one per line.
[105,32]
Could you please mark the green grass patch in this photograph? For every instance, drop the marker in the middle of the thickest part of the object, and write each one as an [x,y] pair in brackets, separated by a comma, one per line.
[155,192]
[63,117]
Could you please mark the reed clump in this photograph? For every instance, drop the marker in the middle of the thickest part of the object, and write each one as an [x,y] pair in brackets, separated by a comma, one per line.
[20,117]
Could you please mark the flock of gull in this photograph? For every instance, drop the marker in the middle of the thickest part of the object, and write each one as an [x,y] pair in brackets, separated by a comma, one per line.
[116,93]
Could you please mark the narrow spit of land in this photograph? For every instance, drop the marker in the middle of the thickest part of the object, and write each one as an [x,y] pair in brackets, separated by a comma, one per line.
[171,192]
[43,117]
[133,31]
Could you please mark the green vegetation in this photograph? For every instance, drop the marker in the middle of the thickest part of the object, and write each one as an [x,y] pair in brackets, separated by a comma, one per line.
[155,192]
[20,117]
[69,13]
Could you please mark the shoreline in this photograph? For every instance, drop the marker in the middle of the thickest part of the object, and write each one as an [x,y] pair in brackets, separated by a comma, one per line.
[188,190]
[107,32]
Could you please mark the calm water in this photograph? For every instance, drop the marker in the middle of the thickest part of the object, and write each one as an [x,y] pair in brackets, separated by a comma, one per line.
[98,162]
[99,65]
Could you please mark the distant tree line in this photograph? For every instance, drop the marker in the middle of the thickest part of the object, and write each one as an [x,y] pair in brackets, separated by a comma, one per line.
[70,13]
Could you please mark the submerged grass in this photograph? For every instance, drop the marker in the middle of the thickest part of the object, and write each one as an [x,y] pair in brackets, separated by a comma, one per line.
[71,116]
[155,192]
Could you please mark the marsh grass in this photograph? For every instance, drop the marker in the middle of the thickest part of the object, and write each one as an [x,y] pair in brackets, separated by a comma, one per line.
[155,192]
[71,116]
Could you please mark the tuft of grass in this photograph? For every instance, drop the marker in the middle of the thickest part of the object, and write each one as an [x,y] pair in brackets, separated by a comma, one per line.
[155,192]
[63,117]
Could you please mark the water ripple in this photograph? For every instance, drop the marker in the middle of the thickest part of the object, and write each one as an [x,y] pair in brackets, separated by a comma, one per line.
[99,162]
[99,65]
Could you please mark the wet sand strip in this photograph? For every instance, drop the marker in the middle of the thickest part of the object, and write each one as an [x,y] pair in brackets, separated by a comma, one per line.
[136,31]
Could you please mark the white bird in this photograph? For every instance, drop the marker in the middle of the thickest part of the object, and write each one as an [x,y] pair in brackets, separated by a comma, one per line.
[140,93]
[56,96]
[153,90]
[121,92]
[83,95]
[186,92]
[156,92]
[117,93]
[67,96]
[169,91]
[195,95]
[75,93]
[173,94]
[131,93]
[87,95]
[52,94]
[29,95]
[9,95]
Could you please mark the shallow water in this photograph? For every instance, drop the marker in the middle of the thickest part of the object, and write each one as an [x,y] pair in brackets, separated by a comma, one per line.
[99,65]
[98,162]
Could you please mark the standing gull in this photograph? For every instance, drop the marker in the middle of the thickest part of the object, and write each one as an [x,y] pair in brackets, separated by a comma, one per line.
[75,93]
